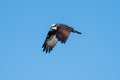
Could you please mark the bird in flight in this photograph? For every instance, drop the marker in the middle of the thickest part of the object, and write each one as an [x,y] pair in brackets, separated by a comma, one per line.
[58,32]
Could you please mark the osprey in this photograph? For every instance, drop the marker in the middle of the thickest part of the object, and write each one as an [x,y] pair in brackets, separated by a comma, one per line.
[58,32]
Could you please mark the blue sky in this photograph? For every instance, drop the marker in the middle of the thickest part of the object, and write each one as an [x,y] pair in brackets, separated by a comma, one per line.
[94,55]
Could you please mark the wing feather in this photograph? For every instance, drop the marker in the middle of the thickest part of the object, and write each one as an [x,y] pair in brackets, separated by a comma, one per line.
[49,43]
[63,32]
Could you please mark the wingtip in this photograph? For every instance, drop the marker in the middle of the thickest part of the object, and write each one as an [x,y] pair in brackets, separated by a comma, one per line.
[77,32]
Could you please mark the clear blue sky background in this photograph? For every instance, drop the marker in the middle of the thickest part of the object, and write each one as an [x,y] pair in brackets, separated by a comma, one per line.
[94,55]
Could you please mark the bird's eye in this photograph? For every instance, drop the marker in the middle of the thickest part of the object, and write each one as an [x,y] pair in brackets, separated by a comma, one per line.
[54,27]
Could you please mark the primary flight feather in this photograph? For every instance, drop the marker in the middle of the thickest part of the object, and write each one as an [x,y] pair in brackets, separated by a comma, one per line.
[58,32]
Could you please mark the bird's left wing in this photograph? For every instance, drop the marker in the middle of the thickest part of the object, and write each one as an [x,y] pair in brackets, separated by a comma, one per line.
[50,42]
[63,33]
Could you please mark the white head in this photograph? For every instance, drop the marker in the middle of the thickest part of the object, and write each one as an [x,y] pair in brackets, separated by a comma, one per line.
[53,27]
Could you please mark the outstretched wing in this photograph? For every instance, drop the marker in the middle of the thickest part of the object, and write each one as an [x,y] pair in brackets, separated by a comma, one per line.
[63,32]
[50,42]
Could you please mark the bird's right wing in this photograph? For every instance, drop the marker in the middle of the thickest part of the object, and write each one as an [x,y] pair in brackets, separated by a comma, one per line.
[50,42]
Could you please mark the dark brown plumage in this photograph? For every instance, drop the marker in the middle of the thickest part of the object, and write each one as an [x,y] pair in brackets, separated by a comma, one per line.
[58,32]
